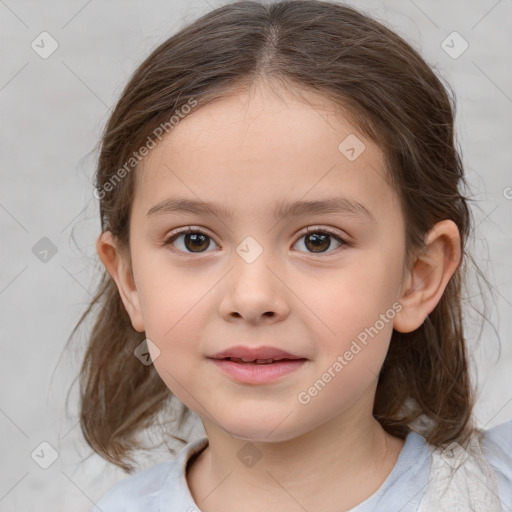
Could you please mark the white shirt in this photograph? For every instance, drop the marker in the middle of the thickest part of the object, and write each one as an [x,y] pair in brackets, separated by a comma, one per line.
[422,480]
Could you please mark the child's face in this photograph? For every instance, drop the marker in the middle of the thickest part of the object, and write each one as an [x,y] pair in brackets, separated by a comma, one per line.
[198,297]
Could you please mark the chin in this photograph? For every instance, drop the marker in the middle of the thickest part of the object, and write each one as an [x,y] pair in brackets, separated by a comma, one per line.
[257,429]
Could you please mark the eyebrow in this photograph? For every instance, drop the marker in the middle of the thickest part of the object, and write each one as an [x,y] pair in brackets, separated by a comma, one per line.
[281,209]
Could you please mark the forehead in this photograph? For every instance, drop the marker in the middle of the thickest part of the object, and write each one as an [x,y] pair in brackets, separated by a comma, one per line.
[257,147]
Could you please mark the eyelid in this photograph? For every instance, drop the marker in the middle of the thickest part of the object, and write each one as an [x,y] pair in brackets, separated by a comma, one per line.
[188,229]
[327,229]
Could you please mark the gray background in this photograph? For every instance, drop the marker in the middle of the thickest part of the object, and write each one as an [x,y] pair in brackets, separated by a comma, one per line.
[53,111]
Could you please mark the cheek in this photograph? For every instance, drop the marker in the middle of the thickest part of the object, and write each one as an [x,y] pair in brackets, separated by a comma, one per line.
[352,311]
[344,301]
[175,307]
[172,324]
[348,362]
[171,297]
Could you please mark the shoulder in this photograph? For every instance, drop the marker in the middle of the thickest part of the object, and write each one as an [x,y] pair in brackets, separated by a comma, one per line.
[144,491]
[139,492]
[496,445]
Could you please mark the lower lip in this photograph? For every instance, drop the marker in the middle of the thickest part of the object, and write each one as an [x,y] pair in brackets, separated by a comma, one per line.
[251,373]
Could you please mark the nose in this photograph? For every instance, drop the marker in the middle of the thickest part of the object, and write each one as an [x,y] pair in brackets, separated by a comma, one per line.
[254,292]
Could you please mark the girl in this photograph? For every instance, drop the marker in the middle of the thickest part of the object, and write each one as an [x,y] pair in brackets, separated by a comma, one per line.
[284,238]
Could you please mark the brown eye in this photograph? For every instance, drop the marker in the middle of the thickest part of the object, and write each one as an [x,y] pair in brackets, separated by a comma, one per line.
[317,242]
[320,240]
[192,241]
[196,242]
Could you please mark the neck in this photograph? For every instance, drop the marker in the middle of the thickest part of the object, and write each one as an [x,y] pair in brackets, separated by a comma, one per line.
[335,467]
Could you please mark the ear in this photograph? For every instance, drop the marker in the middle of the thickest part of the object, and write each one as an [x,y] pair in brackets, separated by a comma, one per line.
[425,283]
[118,266]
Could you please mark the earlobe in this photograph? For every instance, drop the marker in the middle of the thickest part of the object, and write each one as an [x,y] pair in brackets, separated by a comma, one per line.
[426,281]
[119,268]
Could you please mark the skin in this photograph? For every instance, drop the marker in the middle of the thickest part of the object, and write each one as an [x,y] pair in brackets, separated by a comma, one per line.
[247,151]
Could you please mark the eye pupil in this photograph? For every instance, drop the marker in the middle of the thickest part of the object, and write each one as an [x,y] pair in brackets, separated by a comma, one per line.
[198,241]
[318,242]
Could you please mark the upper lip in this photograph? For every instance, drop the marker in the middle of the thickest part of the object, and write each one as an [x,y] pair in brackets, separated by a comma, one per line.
[254,353]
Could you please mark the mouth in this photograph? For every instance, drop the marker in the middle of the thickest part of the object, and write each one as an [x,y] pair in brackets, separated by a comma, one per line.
[256,365]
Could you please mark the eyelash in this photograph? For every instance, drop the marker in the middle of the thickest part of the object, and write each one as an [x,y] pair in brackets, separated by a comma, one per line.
[322,230]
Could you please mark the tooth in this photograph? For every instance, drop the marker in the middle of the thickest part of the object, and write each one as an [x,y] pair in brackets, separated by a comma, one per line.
[264,361]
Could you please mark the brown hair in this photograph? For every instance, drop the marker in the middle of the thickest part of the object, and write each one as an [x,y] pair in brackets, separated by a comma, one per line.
[393,96]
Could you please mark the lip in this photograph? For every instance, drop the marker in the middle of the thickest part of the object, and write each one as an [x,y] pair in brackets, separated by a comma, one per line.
[254,373]
[245,370]
[253,353]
